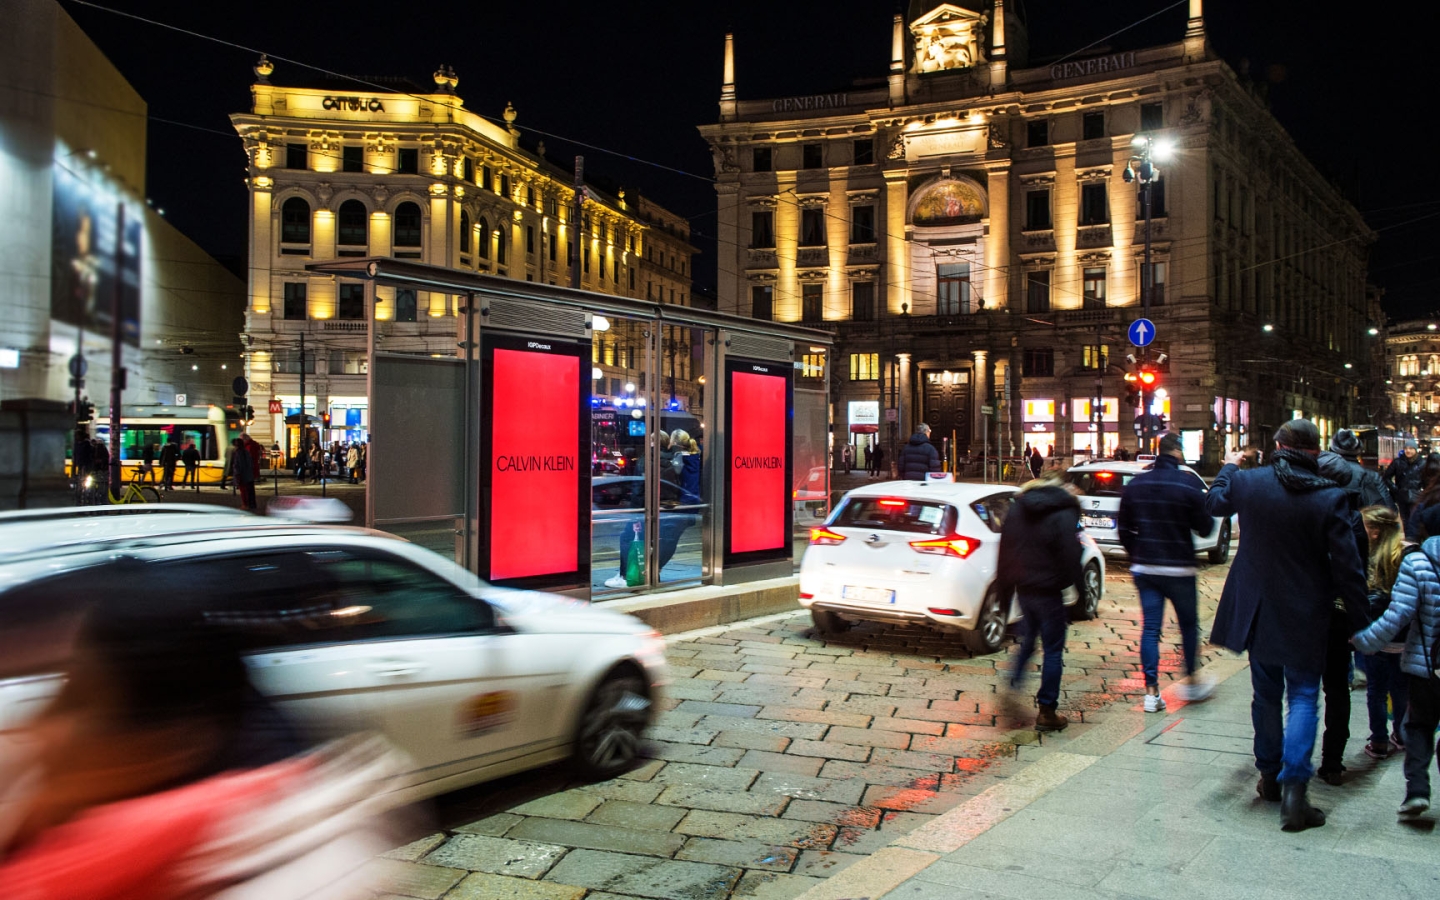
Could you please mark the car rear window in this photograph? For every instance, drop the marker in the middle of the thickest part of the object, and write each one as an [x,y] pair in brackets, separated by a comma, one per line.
[1101,483]
[896,514]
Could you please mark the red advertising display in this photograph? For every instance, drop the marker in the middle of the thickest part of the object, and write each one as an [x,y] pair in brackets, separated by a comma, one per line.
[533,451]
[757,486]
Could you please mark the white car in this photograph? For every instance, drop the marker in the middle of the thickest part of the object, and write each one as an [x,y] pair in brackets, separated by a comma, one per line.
[923,552]
[1101,483]
[348,629]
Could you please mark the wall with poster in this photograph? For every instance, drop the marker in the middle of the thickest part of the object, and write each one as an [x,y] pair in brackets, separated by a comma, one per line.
[535,462]
[759,411]
[84,238]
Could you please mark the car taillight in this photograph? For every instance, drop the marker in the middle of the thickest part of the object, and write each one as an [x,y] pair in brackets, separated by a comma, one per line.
[954,545]
[894,502]
[824,537]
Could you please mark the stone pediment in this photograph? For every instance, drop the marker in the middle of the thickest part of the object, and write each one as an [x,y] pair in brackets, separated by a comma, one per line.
[949,37]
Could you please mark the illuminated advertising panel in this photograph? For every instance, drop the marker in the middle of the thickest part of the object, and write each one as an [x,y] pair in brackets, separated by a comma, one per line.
[759,407]
[84,232]
[534,462]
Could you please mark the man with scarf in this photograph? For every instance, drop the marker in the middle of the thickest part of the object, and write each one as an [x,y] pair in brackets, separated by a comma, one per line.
[1297,554]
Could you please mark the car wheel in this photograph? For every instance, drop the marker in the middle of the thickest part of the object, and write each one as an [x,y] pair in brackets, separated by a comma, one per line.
[827,622]
[989,631]
[1087,605]
[608,738]
[1221,551]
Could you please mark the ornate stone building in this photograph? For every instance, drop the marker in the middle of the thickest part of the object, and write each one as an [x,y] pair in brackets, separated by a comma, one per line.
[964,228]
[398,171]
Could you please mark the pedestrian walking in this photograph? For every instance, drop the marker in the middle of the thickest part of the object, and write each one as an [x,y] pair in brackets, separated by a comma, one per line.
[190,456]
[847,458]
[147,463]
[1160,510]
[242,468]
[877,459]
[1402,477]
[1339,653]
[918,457]
[1037,462]
[1297,555]
[1387,691]
[1040,556]
[1414,604]
[1365,485]
[169,457]
[352,462]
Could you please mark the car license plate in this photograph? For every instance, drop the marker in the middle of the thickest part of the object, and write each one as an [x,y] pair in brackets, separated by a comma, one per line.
[868,594]
[1097,521]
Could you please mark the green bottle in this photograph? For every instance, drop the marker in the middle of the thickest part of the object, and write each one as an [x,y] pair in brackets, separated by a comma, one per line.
[635,560]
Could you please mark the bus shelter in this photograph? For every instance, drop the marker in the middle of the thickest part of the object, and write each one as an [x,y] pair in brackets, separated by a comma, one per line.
[590,444]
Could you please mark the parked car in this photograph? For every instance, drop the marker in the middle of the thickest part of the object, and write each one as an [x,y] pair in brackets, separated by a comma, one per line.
[923,553]
[347,629]
[811,496]
[1101,483]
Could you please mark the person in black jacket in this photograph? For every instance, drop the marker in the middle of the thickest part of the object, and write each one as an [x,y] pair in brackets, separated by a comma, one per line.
[918,457]
[1339,655]
[1159,511]
[169,457]
[1297,554]
[1040,556]
[1366,487]
[1402,477]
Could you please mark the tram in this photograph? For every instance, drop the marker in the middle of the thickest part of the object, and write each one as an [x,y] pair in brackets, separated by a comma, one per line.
[211,428]
[1378,446]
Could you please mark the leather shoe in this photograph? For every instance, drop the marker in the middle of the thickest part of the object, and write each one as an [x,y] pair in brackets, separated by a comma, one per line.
[1296,813]
[1049,719]
[1268,788]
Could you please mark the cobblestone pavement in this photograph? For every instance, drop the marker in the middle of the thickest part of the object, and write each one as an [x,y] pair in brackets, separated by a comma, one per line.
[779,759]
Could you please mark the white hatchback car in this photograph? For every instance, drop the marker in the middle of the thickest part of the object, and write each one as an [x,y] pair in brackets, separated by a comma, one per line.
[347,629]
[1101,483]
[923,552]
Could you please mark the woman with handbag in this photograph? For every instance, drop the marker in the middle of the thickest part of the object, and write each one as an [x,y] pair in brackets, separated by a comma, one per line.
[1386,684]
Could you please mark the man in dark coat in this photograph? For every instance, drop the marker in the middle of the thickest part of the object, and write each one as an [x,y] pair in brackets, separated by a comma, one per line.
[190,456]
[1402,477]
[918,457]
[1297,554]
[1160,511]
[1040,556]
[169,458]
[242,468]
[1366,487]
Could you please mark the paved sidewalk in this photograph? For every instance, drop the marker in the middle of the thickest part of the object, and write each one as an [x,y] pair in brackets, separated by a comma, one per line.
[1167,809]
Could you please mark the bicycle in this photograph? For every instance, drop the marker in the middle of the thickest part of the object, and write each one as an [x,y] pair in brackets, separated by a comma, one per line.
[134,492]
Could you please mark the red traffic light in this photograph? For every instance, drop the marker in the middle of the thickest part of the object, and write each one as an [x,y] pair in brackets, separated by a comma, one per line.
[1148,378]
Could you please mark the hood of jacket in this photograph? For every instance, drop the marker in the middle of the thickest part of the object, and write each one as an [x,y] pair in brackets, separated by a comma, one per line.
[918,438]
[1166,461]
[1335,467]
[1042,501]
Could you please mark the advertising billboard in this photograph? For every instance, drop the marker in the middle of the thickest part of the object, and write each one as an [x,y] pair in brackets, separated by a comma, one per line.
[759,408]
[84,229]
[535,462]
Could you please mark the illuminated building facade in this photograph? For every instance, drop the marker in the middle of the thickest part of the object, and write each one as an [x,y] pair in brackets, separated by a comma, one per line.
[390,170]
[964,228]
[72,180]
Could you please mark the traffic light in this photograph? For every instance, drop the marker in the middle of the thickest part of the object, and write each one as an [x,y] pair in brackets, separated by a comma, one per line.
[1132,389]
[1148,378]
[85,412]
[325,419]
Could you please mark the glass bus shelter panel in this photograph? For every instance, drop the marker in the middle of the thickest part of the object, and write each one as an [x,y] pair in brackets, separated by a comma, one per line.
[812,476]
[685,502]
[621,396]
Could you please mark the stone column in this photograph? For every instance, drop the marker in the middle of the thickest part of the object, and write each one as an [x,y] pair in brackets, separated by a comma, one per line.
[981,380]
[731,293]
[897,247]
[908,417]
[997,243]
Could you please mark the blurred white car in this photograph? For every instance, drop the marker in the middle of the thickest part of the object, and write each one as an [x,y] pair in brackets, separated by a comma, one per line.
[923,552]
[348,629]
[1101,483]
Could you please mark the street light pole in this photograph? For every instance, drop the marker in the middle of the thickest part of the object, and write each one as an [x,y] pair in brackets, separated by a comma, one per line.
[1146,175]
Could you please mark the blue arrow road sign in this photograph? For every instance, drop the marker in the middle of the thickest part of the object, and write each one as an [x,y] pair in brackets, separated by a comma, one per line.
[1142,332]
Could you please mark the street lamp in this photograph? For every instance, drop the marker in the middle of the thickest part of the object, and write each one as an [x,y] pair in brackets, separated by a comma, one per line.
[1140,168]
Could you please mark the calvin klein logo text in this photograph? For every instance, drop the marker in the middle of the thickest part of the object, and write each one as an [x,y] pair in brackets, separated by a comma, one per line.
[758,462]
[555,463]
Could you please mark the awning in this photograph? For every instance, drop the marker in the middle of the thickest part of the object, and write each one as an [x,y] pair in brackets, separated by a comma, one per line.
[296,419]
[864,429]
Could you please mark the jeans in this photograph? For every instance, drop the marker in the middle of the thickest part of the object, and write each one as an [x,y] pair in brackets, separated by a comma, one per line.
[1336,682]
[1421,717]
[1153,591]
[1384,682]
[1283,746]
[1045,617]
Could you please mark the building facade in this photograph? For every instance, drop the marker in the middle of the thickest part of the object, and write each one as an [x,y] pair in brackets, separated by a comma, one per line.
[394,171]
[1412,377]
[78,231]
[965,229]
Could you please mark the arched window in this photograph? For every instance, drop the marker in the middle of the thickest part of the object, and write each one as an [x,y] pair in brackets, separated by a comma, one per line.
[484,238]
[405,307]
[407,225]
[500,248]
[354,224]
[464,231]
[295,221]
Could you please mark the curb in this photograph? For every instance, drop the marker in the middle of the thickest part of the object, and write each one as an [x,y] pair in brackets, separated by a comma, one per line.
[689,609]
[910,854]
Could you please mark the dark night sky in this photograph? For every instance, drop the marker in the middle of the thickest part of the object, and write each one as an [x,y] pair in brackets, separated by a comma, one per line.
[637,77]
